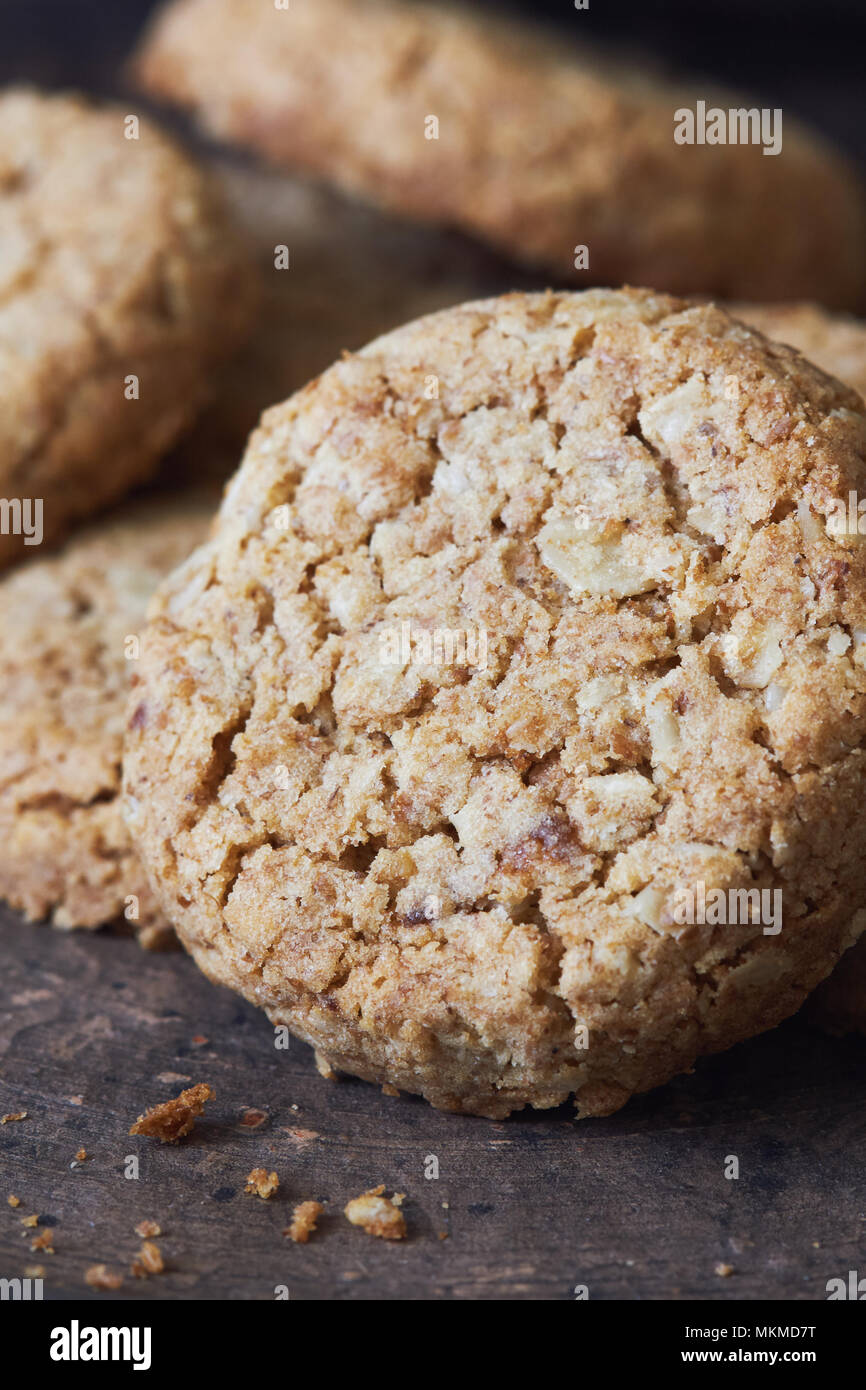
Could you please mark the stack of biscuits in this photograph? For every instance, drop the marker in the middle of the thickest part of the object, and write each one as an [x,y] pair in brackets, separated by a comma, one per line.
[490,710]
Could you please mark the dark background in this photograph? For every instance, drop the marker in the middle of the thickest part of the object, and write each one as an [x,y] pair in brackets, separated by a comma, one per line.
[636,1206]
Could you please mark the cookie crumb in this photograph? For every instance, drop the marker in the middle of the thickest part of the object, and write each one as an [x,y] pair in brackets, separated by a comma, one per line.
[148,1229]
[200,1040]
[724,1271]
[304,1219]
[32,1220]
[13,1118]
[13,1200]
[34,1271]
[324,1068]
[378,1215]
[101,1277]
[252,1119]
[261,1183]
[149,1261]
[174,1118]
[44,1241]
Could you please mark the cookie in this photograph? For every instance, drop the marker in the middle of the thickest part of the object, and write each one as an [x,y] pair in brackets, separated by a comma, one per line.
[334,275]
[69,625]
[532,143]
[122,288]
[838,345]
[834,342]
[504,739]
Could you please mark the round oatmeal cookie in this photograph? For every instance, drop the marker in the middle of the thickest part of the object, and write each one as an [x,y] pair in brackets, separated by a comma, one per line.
[520,641]
[532,142]
[69,625]
[122,287]
[834,342]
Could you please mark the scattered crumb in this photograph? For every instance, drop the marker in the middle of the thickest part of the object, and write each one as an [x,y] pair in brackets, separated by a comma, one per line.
[378,1215]
[149,1261]
[44,1241]
[11,1119]
[148,1229]
[157,939]
[101,1277]
[32,1220]
[75,1100]
[304,1219]
[389,1090]
[81,1156]
[252,1119]
[443,1235]
[13,1200]
[445,1206]
[200,1040]
[34,1271]
[261,1183]
[324,1068]
[174,1118]
[724,1271]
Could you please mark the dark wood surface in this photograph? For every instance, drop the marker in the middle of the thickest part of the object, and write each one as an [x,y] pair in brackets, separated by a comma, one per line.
[633,1206]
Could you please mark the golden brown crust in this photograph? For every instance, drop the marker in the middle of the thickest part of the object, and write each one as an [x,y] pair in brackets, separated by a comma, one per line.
[67,628]
[460,876]
[540,147]
[117,261]
[834,342]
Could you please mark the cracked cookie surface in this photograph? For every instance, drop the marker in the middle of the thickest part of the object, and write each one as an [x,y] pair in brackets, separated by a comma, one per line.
[65,627]
[540,145]
[455,869]
[117,261]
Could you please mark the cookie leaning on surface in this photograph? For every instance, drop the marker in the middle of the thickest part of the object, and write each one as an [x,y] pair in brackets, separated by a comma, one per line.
[66,624]
[117,261]
[539,146]
[457,870]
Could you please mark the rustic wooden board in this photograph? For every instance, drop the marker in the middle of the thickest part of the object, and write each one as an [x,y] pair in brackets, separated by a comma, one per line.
[634,1206]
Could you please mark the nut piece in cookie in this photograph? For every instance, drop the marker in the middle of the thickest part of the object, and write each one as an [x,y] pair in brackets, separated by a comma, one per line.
[505,741]
[541,147]
[71,627]
[173,1119]
[123,286]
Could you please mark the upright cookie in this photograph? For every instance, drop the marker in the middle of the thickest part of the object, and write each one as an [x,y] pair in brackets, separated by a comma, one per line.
[531,143]
[520,652]
[69,625]
[122,288]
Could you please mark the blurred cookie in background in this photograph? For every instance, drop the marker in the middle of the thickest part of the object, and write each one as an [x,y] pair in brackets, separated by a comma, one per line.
[123,287]
[564,160]
[70,628]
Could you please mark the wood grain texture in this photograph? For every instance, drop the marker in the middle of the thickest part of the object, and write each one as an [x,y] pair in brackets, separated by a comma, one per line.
[635,1206]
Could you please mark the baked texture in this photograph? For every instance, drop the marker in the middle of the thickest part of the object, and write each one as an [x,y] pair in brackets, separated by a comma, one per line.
[834,342]
[459,873]
[65,622]
[117,260]
[541,146]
